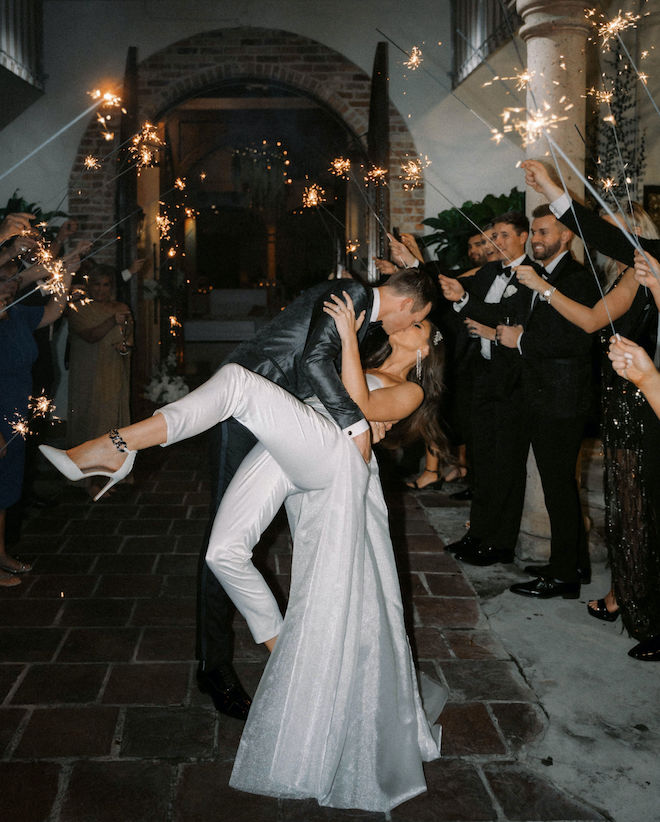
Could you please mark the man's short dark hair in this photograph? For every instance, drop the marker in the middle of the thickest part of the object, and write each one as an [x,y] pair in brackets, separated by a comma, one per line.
[542,210]
[411,282]
[514,218]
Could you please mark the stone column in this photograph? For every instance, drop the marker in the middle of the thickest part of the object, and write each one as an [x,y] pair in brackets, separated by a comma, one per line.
[555,33]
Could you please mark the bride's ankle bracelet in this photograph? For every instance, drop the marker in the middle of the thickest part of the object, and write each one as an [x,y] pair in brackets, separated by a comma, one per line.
[117,441]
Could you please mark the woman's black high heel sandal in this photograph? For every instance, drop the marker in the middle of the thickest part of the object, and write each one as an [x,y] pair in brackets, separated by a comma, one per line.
[600,611]
[432,486]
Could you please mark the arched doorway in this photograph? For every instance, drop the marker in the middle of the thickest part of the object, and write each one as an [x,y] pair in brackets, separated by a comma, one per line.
[201,94]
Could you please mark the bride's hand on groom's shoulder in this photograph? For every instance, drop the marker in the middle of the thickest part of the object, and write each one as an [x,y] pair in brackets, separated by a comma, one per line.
[343,313]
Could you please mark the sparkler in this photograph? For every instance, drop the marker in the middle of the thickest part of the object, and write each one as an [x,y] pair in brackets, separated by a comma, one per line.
[180,183]
[164,225]
[376,175]
[609,29]
[144,147]
[101,99]
[413,170]
[40,408]
[415,60]
[91,163]
[340,167]
[313,196]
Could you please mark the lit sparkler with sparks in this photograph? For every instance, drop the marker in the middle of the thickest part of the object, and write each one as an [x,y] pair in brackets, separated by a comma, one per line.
[313,196]
[601,96]
[415,60]
[91,163]
[41,407]
[608,29]
[19,425]
[376,175]
[341,167]
[534,126]
[180,183]
[174,325]
[144,146]
[352,246]
[107,99]
[413,172]
[164,225]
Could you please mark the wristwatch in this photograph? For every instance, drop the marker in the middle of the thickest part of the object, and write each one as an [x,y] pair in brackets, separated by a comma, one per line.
[545,295]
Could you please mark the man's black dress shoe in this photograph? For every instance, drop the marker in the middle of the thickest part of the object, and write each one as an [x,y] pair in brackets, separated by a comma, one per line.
[648,650]
[546,588]
[544,571]
[484,555]
[227,693]
[463,495]
[466,543]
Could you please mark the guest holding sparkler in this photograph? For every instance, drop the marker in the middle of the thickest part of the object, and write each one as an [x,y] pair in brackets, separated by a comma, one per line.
[630,429]
[19,350]
[101,338]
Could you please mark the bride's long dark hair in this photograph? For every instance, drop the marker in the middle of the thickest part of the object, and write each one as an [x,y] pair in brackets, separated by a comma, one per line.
[424,422]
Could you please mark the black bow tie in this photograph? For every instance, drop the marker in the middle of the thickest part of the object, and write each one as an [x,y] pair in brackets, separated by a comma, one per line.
[506,271]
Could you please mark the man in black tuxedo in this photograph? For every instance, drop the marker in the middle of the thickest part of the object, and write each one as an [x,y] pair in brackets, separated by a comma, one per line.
[300,350]
[489,298]
[556,390]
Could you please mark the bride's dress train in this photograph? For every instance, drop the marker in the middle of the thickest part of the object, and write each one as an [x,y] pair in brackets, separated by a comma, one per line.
[337,715]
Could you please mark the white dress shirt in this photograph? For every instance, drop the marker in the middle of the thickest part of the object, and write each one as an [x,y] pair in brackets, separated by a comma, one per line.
[494,295]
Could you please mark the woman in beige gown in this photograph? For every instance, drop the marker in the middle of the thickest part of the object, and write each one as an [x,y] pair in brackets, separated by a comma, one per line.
[100,339]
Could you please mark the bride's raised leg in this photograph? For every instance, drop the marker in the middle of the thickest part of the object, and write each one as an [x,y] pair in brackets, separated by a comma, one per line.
[301,440]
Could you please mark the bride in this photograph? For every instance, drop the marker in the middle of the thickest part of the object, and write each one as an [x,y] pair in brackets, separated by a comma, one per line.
[337,715]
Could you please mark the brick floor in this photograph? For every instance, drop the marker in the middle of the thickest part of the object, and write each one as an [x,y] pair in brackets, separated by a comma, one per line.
[100,717]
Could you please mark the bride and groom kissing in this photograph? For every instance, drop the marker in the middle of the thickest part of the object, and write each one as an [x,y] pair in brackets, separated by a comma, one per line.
[337,715]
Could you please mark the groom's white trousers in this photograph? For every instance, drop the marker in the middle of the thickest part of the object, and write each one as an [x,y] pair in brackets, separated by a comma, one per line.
[297,451]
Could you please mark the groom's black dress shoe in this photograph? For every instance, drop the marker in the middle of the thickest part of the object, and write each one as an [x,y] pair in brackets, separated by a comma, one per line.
[227,693]
[466,543]
[484,555]
[648,650]
[546,588]
[544,571]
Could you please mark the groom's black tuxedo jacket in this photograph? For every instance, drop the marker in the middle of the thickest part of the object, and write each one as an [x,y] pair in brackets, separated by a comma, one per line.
[557,355]
[300,349]
[608,239]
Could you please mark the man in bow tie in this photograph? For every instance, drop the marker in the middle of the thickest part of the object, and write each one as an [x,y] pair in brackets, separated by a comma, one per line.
[556,390]
[489,298]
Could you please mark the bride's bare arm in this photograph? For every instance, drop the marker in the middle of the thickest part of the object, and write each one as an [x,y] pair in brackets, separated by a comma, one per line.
[382,404]
[617,302]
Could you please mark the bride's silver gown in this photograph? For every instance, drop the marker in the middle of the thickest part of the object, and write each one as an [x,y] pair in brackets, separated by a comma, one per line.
[337,715]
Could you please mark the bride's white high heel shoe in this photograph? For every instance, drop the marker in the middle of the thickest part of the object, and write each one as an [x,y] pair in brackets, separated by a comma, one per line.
[67,466]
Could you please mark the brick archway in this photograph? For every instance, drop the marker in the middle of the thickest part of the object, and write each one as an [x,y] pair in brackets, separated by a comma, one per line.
[188,67]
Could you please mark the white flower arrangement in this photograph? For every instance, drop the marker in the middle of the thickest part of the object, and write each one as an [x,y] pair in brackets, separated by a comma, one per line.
[165,385]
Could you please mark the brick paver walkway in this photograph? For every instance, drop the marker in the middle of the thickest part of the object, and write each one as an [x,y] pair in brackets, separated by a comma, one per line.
[100,717]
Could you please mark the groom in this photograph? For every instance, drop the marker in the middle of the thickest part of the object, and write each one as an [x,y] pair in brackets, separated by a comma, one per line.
[300,350]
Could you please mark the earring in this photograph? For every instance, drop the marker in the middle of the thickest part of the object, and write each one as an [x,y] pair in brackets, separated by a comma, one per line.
[418,365]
